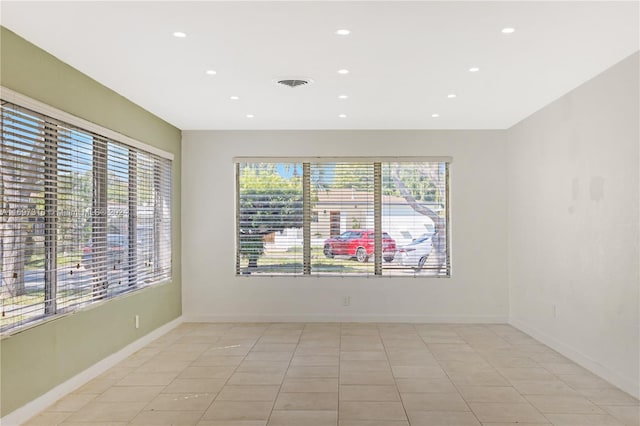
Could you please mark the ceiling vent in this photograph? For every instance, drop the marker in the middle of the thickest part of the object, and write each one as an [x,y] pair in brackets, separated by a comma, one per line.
[293,82]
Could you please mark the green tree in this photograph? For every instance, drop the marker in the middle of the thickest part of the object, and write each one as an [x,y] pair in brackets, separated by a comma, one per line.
[269,203]
[358,177]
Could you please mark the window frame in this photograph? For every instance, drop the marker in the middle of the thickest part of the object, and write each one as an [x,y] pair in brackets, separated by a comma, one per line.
[377,163]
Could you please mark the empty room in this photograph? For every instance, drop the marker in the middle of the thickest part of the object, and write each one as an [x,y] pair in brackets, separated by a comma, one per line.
[320,213]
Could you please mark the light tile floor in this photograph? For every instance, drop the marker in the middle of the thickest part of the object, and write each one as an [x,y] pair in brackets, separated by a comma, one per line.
[345,375]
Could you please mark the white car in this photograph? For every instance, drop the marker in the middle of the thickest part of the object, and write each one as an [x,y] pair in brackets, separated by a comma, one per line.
[415,253]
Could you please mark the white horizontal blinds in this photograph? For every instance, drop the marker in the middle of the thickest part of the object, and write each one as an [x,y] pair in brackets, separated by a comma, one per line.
[161,219]
[70,202]
[415,215]
[119,261]
[138,218]
[76,246]
[22,248]
[342,218]
[269,219]
[145,223]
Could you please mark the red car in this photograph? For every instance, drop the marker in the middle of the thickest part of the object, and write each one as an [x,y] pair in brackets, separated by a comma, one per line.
[359,244]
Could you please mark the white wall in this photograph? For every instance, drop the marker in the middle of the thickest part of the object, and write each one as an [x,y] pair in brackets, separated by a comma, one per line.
[573,224]
[477,290]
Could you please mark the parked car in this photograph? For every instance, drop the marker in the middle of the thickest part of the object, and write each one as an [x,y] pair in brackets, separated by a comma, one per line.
[359,245]
[117,250]
[415,253]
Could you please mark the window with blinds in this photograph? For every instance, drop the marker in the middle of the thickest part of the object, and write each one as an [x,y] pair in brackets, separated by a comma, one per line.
[367,217]
[83,218]
[342,197]
[269,221]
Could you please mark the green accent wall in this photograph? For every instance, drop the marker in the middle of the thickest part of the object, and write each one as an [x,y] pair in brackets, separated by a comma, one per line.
[39,358]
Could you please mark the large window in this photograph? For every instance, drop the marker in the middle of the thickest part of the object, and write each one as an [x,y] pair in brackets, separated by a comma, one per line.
[83,217]
[384,217]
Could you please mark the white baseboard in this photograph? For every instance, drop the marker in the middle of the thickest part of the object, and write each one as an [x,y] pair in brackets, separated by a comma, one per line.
[32,408]
[242,318]
[627,384]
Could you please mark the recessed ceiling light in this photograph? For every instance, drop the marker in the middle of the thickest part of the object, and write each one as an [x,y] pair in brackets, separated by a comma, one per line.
[342,115]
[451,95]
[343,32]
[179,34]
[343,71]
[474,69]
[211,72]
[250,115]
[435,115]
[342,96]
[508,30]
[234,98]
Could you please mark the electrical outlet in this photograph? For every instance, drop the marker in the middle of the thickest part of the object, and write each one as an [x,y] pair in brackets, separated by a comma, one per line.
[346,301]
[137,321]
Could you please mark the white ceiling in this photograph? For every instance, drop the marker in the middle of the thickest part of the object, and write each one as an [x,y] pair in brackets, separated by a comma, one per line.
[404,58]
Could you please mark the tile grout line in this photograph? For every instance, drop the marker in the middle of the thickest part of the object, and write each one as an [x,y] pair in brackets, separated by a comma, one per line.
[395,382]
[496,370]
[285,373]
[447,374]
[190,363]
[164,346]
[545,369]
[234,370]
